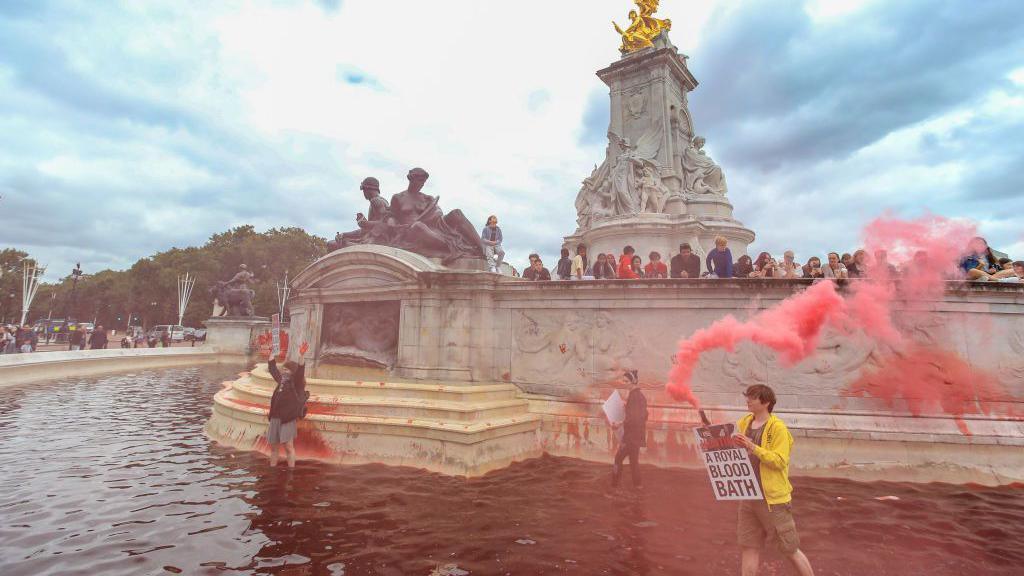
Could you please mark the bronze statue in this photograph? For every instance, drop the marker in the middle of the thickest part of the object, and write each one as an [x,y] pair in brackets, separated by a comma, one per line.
[372,229]
[235,296]
[420,226]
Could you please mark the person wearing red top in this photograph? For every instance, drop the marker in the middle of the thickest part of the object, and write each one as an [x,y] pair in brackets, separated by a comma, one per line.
[655,268]
[626,264]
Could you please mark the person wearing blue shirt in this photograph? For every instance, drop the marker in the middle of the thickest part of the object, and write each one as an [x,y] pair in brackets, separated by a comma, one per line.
[491,236]
[719,260]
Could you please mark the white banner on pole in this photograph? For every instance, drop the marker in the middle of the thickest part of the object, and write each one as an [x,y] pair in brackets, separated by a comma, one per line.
[185,285]
[275,336]
[729,467]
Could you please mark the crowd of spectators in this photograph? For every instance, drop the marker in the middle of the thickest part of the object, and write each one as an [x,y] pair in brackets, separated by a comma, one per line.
[978,263]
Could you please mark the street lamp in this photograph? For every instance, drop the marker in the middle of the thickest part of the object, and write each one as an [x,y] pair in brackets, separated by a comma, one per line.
[76,273]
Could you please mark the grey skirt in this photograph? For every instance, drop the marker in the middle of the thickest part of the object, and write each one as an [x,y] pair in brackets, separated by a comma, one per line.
[279,433]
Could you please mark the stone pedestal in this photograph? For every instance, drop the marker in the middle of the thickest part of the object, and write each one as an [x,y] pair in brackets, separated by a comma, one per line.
[656,188]
[233,334]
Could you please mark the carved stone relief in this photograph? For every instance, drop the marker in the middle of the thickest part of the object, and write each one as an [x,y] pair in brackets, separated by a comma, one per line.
[361,334]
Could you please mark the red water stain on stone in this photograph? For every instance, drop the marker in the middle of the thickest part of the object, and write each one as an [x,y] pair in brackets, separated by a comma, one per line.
[931,381]
[572,430]
[506,377]
[653,448]
[310,443]
[563,348]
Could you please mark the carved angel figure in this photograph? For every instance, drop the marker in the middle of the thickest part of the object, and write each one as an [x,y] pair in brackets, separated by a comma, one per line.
[701,174]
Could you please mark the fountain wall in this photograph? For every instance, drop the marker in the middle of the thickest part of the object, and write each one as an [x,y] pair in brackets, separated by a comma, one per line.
[564,344]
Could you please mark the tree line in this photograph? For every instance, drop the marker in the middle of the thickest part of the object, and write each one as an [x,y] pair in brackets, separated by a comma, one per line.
[147,293]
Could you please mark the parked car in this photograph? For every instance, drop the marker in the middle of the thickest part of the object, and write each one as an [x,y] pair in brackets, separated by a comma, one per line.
[200,335]
[177,332]
[190,334]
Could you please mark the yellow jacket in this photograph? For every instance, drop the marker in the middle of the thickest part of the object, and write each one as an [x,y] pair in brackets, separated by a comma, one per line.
[776,444]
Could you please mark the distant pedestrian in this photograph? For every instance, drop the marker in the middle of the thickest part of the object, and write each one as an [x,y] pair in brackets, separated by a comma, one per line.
[26,339]
[165,338]
[76,340]
[98,340]
[287,406]
[7,345]
[634,430]
[491,237]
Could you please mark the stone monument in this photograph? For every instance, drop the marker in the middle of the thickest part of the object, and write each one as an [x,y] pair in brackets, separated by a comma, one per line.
[656,187]
[234,322]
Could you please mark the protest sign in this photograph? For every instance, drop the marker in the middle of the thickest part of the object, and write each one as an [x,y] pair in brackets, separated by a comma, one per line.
[615,409]
[275,335]
[729,468]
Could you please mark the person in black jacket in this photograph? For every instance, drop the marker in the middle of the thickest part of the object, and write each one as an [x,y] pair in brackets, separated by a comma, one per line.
[98,340]
[634,430]
[287,407]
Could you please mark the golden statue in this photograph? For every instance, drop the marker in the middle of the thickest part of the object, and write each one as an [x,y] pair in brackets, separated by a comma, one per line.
[644,27]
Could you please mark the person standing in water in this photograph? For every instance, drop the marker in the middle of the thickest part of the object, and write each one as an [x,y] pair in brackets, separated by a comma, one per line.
[766,438]
[287,407]
[634,430]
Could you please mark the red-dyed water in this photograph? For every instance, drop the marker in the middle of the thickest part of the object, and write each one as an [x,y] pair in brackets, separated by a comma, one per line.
[114,476]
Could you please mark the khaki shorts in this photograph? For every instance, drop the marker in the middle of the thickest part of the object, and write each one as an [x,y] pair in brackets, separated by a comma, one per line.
[758,525]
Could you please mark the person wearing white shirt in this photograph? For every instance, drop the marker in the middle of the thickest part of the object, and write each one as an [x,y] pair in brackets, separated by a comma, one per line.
[789,268]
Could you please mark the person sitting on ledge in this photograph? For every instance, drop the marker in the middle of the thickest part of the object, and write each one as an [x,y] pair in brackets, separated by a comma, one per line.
[789,268]
[744,266]
[637,267]
[491,238]
[1018,272]
[537,272]
[603,269]
[564,268]
[580,266]
[813,268]
[719,260]
[762,268]
[626,271]
[686,264]
[858,268]
[835,269]
[655,268]
[980,264]
[287,406]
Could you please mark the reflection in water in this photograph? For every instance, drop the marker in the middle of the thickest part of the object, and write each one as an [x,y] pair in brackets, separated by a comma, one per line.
[113,475]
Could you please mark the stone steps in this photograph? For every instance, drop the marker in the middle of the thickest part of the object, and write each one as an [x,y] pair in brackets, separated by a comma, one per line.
[436,391]
[390,406]
[454,429]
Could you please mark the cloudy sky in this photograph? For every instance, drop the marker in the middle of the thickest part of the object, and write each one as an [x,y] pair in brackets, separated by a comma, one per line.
[127,128]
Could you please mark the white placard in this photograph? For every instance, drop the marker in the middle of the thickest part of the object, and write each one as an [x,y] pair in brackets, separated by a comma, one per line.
[615,408]
[275,336]
[729,467]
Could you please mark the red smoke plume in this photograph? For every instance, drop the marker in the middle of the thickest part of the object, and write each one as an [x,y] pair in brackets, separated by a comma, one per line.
[928,250]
